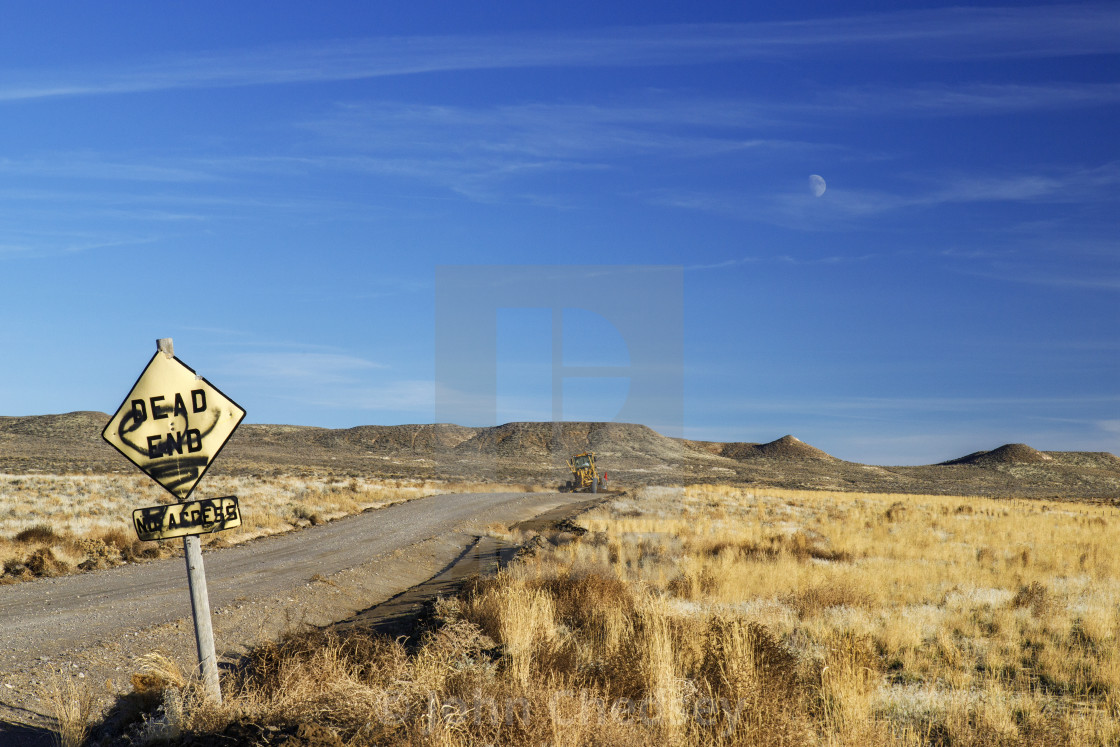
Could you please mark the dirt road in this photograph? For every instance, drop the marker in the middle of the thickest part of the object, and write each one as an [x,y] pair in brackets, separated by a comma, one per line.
[92,627]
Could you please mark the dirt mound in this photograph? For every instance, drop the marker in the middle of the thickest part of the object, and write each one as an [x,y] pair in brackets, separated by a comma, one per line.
[1089,460]
[292,436]
[715,448]
[786,447]
[1006,454]
[739,450]
[789,447]
[561,440]
[84,425]
[398,439]
[65,443]
[312,443]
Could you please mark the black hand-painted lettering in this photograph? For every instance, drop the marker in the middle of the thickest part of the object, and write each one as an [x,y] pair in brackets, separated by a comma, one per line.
[180,406]
[130,422]
[179,472]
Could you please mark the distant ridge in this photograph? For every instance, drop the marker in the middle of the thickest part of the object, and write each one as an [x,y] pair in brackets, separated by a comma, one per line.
[790,447]
[533,454]
[415,439]
[786,447]
[537,439]
[1006,454]
[82,424]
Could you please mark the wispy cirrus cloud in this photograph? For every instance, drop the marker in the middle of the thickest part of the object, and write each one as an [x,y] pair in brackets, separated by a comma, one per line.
[320,377]
[417,395]
[550,130]
[976,98]
[298,367]
[874,407]
[15,243]
[1071,185]
[1058,186]
[1099,279]
[323,377]
[87,165]
[842,204]
[473,149]
[941,33]
[126,206]
[783,259]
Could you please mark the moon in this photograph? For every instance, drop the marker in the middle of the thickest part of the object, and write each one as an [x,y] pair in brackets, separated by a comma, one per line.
[817,185]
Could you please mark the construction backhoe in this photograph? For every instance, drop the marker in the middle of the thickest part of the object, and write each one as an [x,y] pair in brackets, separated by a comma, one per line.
[585,477]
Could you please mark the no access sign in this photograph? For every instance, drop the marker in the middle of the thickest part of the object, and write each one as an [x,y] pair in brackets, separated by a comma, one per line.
[182,519]
[173,424]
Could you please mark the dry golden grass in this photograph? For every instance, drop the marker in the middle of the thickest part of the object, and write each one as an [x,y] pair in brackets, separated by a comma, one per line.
[723,616]
[56,524]
[71,703]
[946,619]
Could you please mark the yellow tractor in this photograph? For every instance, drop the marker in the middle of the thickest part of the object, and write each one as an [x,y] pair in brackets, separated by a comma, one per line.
[584,475]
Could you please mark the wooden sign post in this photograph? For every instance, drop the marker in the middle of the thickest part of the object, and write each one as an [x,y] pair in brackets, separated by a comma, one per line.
[200,609]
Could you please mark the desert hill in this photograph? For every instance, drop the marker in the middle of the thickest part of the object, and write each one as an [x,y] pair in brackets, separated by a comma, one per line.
[1006,454]
[407,439]
[535,453]
[84,425]
[55,443]
[786,447]
[625,441]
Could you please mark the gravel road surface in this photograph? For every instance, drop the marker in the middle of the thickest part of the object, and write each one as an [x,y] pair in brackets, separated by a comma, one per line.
[91,627]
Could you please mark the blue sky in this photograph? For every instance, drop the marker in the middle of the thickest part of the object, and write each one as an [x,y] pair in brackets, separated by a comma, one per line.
[274,185]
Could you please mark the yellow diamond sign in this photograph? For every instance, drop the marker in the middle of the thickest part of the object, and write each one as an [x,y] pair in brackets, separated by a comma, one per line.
[173,424]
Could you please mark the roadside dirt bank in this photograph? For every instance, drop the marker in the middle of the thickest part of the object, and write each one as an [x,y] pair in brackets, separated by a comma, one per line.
[94,627]
[401,614]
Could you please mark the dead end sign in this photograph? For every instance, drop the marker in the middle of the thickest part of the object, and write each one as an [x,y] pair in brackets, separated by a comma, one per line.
[173,424]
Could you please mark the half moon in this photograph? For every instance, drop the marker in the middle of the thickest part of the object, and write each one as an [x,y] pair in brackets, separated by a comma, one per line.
[817,185]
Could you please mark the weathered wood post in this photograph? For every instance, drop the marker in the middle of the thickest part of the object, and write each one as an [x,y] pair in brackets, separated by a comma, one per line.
[200,599]
[200,608]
